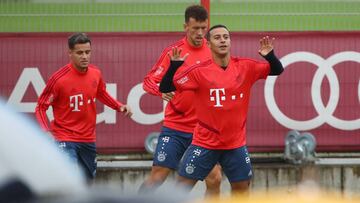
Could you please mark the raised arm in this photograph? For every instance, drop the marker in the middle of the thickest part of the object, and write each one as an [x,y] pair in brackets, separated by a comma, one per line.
[152,79]
[267,51]
[166,84]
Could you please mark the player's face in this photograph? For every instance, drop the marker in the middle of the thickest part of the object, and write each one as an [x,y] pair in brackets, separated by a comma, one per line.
[219,42]
[195,31]
[80,56]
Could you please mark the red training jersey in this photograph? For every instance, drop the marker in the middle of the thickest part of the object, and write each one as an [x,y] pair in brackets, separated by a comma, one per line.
[72,95]
[221,100]
[179,112]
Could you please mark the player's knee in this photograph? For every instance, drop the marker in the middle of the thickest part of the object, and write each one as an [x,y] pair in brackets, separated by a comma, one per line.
[214,179]
[240,187]
[159,174]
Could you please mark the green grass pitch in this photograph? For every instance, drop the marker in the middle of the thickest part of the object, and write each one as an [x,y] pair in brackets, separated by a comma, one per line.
[135,17]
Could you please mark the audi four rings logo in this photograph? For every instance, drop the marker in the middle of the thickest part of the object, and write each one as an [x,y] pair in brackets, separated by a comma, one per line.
[325,113]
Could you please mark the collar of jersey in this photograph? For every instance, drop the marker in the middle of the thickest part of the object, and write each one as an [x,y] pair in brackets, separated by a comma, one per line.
[193,47]
[77,71]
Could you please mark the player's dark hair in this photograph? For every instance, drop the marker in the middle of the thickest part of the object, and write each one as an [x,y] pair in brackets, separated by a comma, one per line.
[207,36]
[198,12]
[78,38]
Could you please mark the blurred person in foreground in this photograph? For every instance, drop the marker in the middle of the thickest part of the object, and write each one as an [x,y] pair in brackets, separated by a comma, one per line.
[180,119]
[221,87]
[72,92]
[27,174]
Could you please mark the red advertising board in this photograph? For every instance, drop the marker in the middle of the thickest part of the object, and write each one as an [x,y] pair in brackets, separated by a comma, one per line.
[319,91]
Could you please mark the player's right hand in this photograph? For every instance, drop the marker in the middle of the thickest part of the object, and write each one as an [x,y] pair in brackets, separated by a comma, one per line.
[167,96]
[176,54]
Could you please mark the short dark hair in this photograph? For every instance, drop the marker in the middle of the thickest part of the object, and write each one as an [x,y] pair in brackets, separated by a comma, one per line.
[213,27]
[198,12]
[78,38]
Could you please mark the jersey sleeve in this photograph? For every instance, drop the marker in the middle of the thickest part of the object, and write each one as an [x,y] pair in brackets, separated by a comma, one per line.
[105,97]
[46,99]
[186,80]
[154,76]
[260,70]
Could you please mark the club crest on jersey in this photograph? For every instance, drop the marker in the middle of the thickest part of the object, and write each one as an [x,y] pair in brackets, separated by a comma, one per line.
[51,98]
[161,156]
[183,80]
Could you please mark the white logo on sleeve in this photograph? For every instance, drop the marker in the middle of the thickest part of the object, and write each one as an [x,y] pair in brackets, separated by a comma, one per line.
[219,96]
[159,70]
[183,80]
[76,101]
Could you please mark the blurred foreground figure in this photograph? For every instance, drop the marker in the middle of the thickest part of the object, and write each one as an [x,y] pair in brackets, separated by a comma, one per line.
[30,163]
[306,192]
[33,169]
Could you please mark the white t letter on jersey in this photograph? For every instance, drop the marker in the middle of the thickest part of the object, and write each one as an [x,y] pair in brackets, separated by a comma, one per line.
[75,102]
[217,98]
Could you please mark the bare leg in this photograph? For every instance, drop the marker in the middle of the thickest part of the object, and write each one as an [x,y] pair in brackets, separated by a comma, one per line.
[157,177]
[186,182]
[240,188]
[213,181]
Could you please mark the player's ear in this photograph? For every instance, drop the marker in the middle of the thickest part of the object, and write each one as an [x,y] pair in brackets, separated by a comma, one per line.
[69,52]
[208,43]
[185,27]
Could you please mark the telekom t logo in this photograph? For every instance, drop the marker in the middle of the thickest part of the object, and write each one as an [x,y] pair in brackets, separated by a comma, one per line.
[76,101]
[219,96]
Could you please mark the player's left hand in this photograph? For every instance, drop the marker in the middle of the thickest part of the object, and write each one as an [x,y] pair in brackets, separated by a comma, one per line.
[125,109]
[266,45]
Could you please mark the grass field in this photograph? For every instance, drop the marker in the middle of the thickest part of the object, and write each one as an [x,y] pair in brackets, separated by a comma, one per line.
[165,16]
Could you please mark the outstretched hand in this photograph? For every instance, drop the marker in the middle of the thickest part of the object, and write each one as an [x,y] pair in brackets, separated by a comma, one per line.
[176,54]
[266,45]
[125,109]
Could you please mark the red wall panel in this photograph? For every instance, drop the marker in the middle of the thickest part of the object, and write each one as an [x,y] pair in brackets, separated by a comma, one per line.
[319,92]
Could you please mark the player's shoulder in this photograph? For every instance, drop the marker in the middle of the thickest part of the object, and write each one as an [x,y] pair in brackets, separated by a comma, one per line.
[62,71]
[197,67]
[94,69]
[178,43]
[58,75]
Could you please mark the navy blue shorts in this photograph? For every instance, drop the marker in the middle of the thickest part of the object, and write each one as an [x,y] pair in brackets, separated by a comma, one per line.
[198,162]
[84,154]
[171,147]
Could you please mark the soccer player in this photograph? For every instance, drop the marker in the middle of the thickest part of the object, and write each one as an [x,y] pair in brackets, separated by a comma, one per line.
[72,92]
[180,119]
[222,90]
